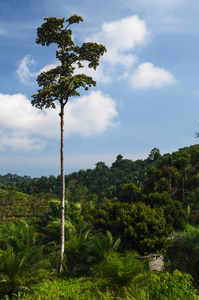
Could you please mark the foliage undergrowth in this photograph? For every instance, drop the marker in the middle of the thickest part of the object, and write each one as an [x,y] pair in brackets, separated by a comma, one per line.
[146,286]
[62,289]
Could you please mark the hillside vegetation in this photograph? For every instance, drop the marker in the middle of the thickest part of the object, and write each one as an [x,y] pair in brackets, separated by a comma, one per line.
[114,215]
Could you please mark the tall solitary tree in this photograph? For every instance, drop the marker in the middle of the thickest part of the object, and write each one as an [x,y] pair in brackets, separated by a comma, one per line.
[61,83]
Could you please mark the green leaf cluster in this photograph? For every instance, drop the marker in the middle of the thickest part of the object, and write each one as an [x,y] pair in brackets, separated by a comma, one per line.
[140,227]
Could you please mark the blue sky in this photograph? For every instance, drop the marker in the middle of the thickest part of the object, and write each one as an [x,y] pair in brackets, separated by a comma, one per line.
[147,92]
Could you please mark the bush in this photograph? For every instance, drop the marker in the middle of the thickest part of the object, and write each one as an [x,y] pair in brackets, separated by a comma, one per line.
[161,286]
[119,270]
[176,286]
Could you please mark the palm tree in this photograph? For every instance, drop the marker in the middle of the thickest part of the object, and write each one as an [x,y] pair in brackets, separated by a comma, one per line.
[119,270]
[20,256]
[103,244]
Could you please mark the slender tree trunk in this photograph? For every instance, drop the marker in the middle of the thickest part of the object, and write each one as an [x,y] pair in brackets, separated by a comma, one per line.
[62,231]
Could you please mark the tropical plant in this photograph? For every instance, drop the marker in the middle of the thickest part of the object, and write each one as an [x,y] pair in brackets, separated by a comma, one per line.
[20,256]
[118,270]
[103,244]
[79,253]
[172,286]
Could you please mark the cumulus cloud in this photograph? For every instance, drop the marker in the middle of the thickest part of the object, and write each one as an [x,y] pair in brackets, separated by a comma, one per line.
[120,37]
[90,114]
[17,114]
[149,76]
[20,122]
[19,140]
[23,126]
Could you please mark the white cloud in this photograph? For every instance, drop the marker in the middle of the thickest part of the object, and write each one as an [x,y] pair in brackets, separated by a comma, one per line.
[19,115]
[23,126]
[20,122]
[149,76]
[23,71]
[91,114]
[120,37]
[19,140]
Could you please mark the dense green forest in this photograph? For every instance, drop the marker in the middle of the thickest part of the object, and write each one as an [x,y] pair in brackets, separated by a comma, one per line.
[114,216]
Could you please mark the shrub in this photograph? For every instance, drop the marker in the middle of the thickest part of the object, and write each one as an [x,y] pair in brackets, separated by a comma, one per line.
[20,257]
[119,270]
[161,286]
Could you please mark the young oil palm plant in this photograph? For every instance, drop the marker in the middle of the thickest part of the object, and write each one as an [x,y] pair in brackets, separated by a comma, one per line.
[119,270]
[79,253]
[103,244]
[20,257]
